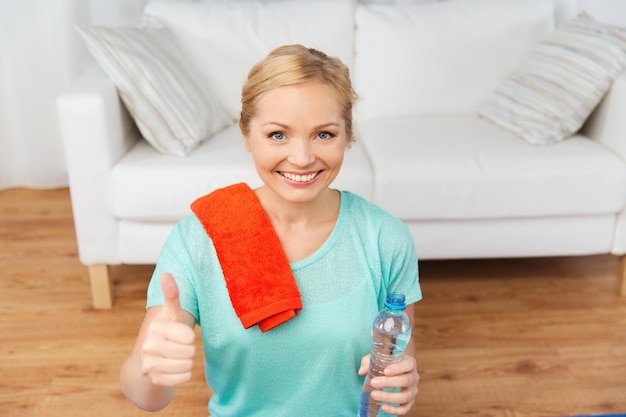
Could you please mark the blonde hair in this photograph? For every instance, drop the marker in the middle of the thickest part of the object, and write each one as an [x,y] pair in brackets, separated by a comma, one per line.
[295,64]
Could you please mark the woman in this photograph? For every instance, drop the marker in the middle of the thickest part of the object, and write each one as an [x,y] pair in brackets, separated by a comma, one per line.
[342,253]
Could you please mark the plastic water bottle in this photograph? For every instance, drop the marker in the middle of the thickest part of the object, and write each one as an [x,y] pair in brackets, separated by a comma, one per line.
[391,333]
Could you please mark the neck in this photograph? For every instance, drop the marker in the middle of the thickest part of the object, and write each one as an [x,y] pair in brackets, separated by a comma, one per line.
[285,213]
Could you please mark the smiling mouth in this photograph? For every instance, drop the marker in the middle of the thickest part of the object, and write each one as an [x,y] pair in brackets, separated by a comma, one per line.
[299,177]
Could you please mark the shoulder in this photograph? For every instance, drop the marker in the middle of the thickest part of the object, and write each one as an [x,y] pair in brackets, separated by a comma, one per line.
[374,223]
[188,235]
[359,207]
[189,224]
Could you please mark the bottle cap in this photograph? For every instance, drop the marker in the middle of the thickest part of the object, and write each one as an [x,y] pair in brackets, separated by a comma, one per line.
[395,301]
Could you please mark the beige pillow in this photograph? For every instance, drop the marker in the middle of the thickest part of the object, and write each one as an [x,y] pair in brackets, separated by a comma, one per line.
[551,95]
[173,110]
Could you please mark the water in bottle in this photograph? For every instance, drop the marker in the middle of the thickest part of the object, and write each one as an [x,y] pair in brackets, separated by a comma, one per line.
[391,333]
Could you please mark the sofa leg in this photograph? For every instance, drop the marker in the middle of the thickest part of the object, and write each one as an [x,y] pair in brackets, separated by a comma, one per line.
[101,288]
[621,276]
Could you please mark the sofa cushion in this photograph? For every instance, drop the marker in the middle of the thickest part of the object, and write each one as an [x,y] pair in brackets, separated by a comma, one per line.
[471,169]
[225,39]
[173,111]
[513,237]
[441,58]
[551,95]
[151,187]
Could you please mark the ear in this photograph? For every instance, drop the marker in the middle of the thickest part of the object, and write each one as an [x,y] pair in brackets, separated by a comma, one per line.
[246,142]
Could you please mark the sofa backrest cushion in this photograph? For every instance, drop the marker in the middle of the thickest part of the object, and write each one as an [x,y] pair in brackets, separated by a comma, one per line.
[441,58]
[224,40]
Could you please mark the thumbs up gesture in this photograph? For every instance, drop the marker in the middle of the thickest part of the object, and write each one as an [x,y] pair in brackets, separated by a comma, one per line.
[169,344]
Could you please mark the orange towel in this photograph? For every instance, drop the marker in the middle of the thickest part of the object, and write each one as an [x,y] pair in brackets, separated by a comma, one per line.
[258,276]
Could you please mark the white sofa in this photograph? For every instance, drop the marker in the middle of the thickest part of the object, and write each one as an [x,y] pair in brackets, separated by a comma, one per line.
[466,187]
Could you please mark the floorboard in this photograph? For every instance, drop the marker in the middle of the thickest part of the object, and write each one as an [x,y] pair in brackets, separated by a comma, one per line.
[502,338]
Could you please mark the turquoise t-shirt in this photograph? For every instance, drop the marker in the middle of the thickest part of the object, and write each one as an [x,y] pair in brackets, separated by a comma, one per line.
[308,365]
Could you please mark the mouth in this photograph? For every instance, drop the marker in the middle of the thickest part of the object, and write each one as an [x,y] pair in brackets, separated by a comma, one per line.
[301,178]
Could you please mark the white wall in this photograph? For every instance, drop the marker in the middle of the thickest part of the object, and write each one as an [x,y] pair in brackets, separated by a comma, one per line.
[115,12]
[608,11]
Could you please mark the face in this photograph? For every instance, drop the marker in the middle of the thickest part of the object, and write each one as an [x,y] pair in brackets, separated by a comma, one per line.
[297,139]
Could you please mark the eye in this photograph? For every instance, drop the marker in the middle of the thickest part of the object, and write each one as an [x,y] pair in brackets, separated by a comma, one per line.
[277,136]
[325,135]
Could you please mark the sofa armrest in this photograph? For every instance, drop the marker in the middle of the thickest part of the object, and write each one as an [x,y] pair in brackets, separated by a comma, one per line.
[607,123]
[96,131]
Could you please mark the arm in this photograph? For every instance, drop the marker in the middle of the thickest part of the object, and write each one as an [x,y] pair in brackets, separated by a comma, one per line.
[162,357]
[607,124]
[96,132]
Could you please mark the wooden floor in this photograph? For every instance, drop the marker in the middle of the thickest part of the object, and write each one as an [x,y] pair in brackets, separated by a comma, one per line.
[510,337]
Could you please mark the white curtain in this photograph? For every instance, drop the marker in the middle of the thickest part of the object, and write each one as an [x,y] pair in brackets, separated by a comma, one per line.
[40,53]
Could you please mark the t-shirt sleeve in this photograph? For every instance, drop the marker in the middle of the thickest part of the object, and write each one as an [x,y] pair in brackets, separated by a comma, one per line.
[399,259]
[177,258]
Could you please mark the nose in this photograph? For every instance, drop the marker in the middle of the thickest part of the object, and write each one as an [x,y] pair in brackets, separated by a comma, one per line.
[301,152]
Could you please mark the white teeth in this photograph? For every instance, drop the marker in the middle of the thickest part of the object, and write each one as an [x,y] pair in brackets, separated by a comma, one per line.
[299,178]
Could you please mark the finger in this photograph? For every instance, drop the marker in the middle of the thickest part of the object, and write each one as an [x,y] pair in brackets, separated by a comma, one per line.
[165,366]
[164,331]
[172,297]
[175,350]
[402,381]
[179,333]
[397,410]
[398,400]
[406,365]
[365,363]
[170,380]
[171,350]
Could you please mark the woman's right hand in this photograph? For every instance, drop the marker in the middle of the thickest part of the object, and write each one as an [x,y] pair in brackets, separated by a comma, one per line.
[168,347]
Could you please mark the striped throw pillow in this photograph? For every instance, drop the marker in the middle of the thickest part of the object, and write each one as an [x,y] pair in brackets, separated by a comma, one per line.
[551,95]
[172,109]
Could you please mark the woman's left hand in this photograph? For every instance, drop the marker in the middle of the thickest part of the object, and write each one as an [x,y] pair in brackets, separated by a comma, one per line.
[401,375]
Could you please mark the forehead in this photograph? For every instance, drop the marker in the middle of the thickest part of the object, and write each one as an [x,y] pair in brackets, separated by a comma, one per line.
[311,96]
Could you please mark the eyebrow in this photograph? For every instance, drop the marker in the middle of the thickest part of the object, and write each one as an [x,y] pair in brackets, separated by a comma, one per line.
[321,126]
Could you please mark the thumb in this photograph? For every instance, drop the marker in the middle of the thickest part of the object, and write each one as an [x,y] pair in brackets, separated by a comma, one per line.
[172,298]
[365,365]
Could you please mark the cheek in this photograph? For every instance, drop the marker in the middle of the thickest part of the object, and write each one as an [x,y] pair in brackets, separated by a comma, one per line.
[339,161]
[263,156]
[334,157]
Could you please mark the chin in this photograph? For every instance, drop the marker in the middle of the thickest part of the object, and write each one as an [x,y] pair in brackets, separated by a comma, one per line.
[301,193]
